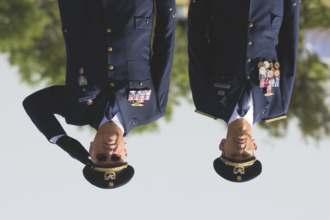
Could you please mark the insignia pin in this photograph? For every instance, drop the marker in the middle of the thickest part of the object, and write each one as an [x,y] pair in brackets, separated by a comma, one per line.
[82,81]
[136,104]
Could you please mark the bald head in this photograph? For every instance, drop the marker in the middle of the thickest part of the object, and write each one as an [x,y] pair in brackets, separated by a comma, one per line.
[239,145]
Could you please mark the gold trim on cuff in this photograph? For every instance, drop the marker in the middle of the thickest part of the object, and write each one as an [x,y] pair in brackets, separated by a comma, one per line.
[275,119]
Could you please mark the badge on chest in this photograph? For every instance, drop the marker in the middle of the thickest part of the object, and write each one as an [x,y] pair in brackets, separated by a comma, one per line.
[138,97]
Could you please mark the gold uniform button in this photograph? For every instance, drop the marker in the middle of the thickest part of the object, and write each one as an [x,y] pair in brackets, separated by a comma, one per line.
[110,49]
[112,84]
[249,60]
[111,67]
[250,43]
[109,30]
[251,25]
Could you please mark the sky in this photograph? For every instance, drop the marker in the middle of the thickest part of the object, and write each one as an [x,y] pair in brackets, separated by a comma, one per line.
[317,40]
[174,176]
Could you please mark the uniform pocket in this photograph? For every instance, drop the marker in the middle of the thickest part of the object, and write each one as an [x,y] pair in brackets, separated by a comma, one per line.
[138,70]
[138,40]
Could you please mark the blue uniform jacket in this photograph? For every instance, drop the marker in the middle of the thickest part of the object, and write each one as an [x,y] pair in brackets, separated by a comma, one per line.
[227,39]
[112,47]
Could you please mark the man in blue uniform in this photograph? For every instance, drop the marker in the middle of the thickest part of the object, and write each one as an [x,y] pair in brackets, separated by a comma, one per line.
[119,57]
[242,58]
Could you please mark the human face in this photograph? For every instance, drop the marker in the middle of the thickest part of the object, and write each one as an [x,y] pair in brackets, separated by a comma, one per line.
[239,144]
[109,147]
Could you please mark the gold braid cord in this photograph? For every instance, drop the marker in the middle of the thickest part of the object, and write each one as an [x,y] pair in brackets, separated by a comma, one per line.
[111,170]
[235,164]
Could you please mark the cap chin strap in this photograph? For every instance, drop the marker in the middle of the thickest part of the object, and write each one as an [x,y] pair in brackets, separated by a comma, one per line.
[237,164]
[112,169]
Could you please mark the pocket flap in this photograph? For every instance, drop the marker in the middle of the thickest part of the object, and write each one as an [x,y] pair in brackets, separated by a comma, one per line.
[140,84]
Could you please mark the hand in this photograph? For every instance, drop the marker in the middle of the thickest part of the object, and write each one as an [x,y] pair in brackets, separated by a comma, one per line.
[75,149]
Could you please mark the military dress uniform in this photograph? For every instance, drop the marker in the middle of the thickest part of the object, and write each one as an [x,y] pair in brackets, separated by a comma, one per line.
[119,58]
[240,49]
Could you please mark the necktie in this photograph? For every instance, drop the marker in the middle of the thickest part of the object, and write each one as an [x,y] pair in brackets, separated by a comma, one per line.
[243,102]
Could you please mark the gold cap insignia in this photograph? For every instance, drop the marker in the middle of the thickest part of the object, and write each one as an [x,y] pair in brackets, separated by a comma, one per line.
[109,176]
[238,168]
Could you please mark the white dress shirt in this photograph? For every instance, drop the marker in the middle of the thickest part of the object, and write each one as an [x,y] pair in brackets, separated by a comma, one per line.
[248,116]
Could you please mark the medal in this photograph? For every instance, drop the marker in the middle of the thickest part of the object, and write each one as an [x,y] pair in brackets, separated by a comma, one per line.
[269,76]
[269,90]
[137,98]
[137,104]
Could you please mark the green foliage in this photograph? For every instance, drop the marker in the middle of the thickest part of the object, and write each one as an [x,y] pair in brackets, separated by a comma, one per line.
[20,23]
[315,13]
[30,34]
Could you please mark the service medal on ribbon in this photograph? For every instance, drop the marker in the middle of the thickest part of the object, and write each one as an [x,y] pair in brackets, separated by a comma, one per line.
[137,98]
[269,76]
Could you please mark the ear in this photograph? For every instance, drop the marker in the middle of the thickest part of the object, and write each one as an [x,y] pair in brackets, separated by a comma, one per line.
[222,144]
[254,144]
